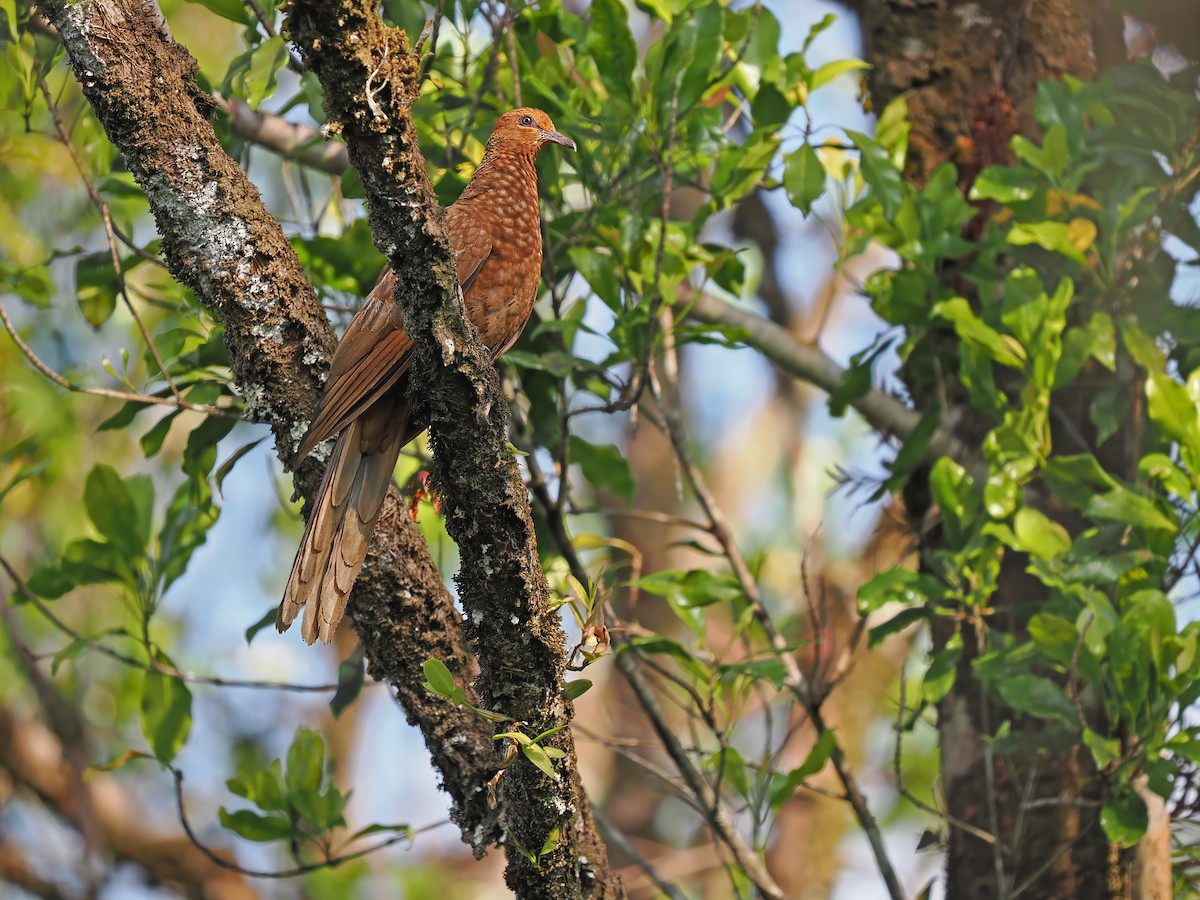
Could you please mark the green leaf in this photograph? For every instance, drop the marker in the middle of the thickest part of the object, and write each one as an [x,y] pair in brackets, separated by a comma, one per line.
[95,562]
[47,582]
[122,417]
[258,81]
[9,9]
[1124,816]
[1039,535]
[693,589]
[610,43]
[305,764]
[1005,185]
[662,9]
[200,454]
[803,177]
[536,754]
[976,333]
[897,623]
[325,809]
[520,738]
[897,585]
[1076,479]
[166,711]
[1036,696]
[826,73]
[770,108]
[1105,751]
[111,508]
[234,10]
[1161,468]
[254,826]
[880,172]
[939,676]
[954,491]
[263,787]
[377,828]
[783,789]
[1063,238]
[152,440]
[190,515]
[550,843]
[702,57]
[598,270]
[96,287]
[1055,637]
[1123,505]
[577,688]
[1051,158]
[892,128]
[352,672]
[687,661]
[818,28]
[438,678]
[603,466]
[759,669]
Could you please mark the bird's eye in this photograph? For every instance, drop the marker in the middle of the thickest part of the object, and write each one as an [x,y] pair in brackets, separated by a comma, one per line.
[525,120]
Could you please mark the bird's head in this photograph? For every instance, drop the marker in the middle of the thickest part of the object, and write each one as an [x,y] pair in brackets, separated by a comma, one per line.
[525,130]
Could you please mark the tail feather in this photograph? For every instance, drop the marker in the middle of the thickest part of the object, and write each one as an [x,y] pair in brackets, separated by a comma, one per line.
[344,514]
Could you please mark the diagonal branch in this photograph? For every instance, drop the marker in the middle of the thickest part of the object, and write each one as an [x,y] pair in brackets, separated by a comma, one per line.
[370,78]
[219,240]
[810,364]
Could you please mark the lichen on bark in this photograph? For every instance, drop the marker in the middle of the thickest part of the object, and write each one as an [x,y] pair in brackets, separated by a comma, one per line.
[369,79]
[220,241]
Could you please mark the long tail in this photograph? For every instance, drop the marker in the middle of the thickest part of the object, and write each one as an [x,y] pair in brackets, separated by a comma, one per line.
[343,519]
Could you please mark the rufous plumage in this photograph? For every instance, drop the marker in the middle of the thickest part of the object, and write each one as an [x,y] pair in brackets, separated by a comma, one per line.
[495,233]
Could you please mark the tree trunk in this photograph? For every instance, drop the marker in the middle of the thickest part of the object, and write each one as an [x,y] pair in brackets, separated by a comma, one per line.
[970,71]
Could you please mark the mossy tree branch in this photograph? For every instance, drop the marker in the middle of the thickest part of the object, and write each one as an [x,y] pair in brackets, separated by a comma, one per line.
[370,78]
[221,242]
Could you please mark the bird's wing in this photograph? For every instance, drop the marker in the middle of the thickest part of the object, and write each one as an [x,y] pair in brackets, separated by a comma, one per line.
[471,241]
[371,356]
[376,350]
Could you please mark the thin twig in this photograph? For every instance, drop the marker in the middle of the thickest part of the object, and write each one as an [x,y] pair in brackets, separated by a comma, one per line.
[269,27]
[406,835]
[157,668]
[435,30]
[714,812]
[618,839]
[897,771]
[794,679]
[127,396]
[102,206]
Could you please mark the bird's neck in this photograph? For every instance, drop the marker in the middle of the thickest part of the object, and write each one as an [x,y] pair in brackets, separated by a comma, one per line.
[503,170]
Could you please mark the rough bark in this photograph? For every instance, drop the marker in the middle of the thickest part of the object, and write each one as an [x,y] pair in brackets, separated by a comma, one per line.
[961,63]
[950,57]
[220,241]
[370,79]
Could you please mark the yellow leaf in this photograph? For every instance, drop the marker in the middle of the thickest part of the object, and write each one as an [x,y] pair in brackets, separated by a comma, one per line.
[1081,233]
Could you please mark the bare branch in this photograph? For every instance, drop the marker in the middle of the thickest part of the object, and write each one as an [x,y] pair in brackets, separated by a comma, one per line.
[810,364]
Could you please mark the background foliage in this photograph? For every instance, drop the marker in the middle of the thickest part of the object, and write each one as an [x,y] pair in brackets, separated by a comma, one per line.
[682,491]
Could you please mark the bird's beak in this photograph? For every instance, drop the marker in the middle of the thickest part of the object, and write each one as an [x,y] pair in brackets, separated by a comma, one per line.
[558,139]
